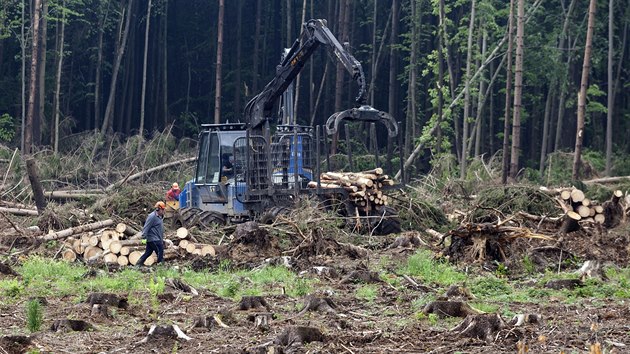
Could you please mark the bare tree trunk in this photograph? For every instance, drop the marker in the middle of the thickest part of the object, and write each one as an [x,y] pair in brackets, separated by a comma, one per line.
[39,117]
[377,61]
[561,82]
[28,130]
[144,69]
[609,113]
[217,94]
[343,25]
[582,95]
[545,138]
[120,51]
[165,65]
[58,80]
[393,82]
[508,88]
[23,73]
[518,90]
[440,82]
[373,60]
[289,23]
[481,99]
[99,63]
[38,191]
[297,80]
[412,89]
[464,158]
[256,46]
[239,31]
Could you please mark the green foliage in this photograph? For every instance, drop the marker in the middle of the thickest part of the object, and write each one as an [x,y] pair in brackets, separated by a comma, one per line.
[367,292]
[511,199]
[7,128]
[11,288]
[491,287]
[429,270]
[528,265]
[34,315]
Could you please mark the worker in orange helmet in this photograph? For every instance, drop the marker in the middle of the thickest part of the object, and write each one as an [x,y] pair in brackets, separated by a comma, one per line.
[173,193]
[153,233]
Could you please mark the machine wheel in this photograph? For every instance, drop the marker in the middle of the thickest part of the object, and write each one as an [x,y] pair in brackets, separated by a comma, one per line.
[272,214]
[187,217]
[385,221]
[209,218]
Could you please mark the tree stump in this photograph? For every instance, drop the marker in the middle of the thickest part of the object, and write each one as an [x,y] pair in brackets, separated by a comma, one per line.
[107,299]
[295,336]
[70,325]
[450,309]
[252,302]
[480,326]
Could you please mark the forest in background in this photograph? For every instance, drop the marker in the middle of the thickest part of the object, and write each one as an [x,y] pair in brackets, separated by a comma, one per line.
[439,67]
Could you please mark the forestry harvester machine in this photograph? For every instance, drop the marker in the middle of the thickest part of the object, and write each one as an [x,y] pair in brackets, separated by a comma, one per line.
[247,172]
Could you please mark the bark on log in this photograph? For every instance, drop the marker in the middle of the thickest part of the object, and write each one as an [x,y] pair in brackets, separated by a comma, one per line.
[584,211]
[607,180]
[570,222]
[63,195]
[38,191]
[116,246]
[125,229]
[75,230]
[126,250]
[376,171]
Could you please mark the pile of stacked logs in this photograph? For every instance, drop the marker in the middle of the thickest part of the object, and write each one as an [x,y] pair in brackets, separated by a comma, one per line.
[190,245]
[365,188]
[580,209]
[99,242]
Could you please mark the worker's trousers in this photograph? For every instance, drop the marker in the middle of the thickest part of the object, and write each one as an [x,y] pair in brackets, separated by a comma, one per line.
[153,246]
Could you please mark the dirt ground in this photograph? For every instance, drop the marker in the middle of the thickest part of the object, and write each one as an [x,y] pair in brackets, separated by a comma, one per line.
[390,323]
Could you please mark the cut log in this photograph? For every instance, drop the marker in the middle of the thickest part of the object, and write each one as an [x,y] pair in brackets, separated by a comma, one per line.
[183,244]
[599,218]
[122,260]
[598,209]
[125,229]
[19,212]
[76,195]
[570,222]
[313,184]
[565,194]
[75,230]
[134,256]
[616,196]
[586,202]
[92,251]
[182,233]
[584,211]
[207,250]
[69,255]
[577,195]
[110,258]
[376,171]
[93,241]
[115,246]
[126,250]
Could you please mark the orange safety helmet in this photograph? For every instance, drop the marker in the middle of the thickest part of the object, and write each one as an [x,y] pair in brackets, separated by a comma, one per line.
[160,205]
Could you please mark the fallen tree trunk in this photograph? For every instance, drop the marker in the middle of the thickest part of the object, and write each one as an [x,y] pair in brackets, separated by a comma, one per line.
[145,172]
[19,212]
[38,191]
[76,230]
[70,195]
[607,180]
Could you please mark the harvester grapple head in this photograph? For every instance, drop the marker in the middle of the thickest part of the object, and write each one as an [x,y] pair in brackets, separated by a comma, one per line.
[364,113]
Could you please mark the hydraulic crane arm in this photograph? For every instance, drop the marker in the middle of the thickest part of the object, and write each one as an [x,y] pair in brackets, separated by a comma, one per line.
[315,32]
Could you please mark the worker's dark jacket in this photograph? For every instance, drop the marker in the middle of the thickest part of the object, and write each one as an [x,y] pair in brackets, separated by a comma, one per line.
[153,228]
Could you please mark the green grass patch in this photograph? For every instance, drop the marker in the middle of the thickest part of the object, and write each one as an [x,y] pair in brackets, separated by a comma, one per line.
[34,315]
[491,287]
[367,292]
[424,266]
